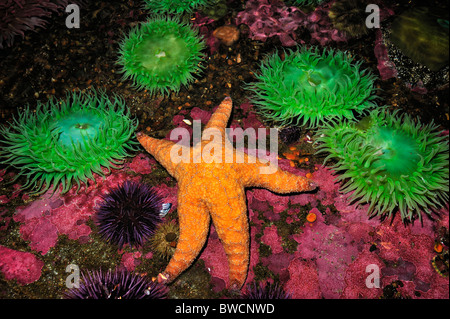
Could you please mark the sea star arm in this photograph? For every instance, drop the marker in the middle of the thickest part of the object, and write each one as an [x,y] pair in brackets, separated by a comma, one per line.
[194,225]
[220,117]
[278,181]
[159,149]
[229,215]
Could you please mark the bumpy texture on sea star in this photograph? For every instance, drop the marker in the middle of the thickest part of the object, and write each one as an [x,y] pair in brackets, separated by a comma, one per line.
[216,189]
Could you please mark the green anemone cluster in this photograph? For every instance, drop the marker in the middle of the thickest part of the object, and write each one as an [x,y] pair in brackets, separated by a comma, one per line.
[310,87]
[67,141]
[174,6]
[161,54]
[390,162]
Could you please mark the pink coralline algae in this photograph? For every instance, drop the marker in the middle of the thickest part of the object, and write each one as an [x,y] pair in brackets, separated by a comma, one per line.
[320,27]
[261,198]
[401,253]
[131,260]
[279,264]
[356,275]
[409,256]
[142,164]
[4,199]
[385,66]
[50,216]
[269,18]
[304,280]
[272,239]
[333,250]
[21,266]
[198,114]
[217,264]
[336,254]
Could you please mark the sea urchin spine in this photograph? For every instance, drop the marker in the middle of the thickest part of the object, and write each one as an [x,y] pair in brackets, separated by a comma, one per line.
[116,285]
[129,214]
[267,291]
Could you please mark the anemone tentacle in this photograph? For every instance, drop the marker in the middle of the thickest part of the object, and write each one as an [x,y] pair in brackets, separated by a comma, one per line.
[68,140]
[389,161]
[175,6]
[161,55]
[311,87]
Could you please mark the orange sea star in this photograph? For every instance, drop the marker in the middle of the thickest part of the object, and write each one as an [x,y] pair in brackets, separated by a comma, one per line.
[216,188]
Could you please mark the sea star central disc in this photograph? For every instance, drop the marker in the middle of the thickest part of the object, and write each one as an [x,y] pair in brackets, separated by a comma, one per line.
[213,186]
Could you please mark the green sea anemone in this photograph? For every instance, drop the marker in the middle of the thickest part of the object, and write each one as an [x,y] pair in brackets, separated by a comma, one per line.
[311,87]
[161,54]
[67,141]
[390,162]
[175,6]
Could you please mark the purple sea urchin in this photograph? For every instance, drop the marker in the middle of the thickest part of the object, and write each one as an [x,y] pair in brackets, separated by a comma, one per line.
[310,87]
[175,6]
[161,54]
[116,285]
[390,162]
[67,141]
[267,291]
[129,214]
